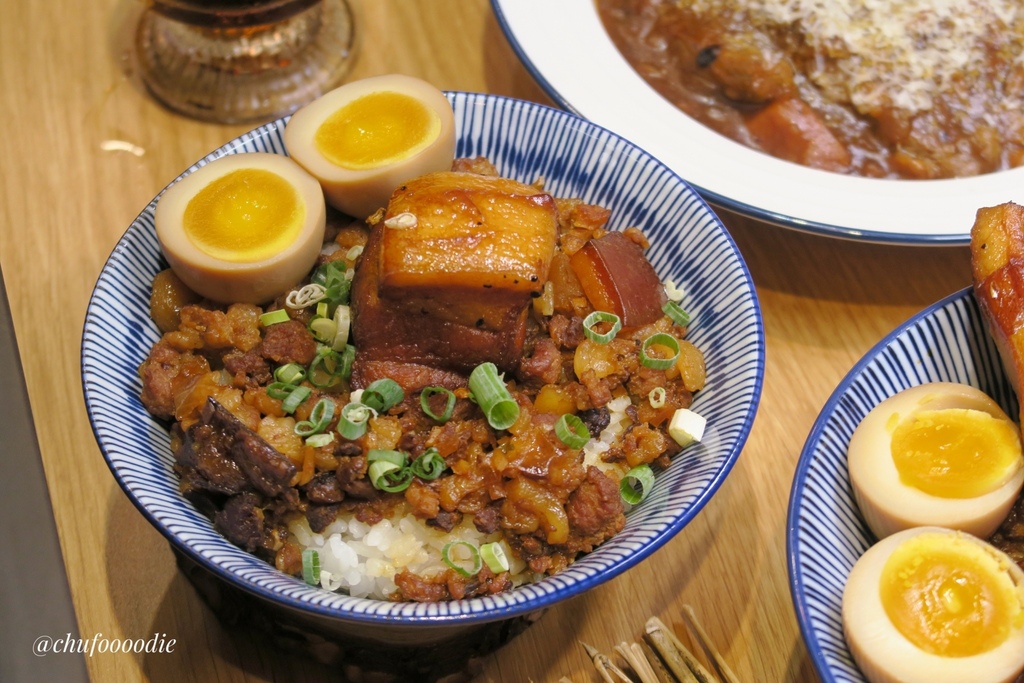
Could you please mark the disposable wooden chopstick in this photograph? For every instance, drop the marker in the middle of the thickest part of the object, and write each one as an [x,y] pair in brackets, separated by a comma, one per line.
[660,671]
[605,666]
[668,655]
[690,617]
[637,661]
[674,653]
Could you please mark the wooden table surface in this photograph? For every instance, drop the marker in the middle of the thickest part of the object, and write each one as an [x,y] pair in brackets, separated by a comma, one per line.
[85,149]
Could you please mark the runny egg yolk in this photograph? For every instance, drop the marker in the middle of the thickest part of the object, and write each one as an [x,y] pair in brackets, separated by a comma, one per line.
[954,452]
[244,216]
[936,454]
[949,596]
[377,129]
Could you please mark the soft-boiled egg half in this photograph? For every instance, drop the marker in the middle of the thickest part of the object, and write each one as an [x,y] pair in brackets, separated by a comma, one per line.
[938,454]
[934,605]
[365,138]
[243,228]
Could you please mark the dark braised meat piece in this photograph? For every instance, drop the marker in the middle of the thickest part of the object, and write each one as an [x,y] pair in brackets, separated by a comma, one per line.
[486,520]
[351,474]
[451,585]
[596,419]
[567,332]
[446,521]
[321,516]
[484,582]
[241,521]
[166,374]
[418,589]
[268,470]
[595,508]
[248,368]
[288,342]
[410,376]
[204,462]
[324,488]
[544,365]
[346,449]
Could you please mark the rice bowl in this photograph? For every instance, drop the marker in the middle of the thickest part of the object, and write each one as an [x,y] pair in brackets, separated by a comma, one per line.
[524,140]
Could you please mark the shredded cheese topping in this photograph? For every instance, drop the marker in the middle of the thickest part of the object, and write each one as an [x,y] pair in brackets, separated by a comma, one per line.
[874,53]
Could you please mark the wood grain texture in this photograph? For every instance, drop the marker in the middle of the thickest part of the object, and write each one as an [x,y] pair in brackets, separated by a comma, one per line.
[85,149]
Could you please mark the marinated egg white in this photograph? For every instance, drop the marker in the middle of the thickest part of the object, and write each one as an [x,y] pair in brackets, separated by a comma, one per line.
[364,139]
[932,605]
[938,454]
[242,228]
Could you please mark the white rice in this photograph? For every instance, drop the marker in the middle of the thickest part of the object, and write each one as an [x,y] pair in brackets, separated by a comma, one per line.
[362,560]
[617,425]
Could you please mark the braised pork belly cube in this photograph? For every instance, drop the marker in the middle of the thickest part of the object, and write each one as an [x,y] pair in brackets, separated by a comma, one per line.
[448,275]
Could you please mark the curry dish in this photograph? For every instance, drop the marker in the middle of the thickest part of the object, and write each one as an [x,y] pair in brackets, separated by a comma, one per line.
[909,89]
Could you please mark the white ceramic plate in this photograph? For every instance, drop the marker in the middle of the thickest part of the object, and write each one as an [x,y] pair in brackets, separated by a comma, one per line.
[567,50]
[947,342]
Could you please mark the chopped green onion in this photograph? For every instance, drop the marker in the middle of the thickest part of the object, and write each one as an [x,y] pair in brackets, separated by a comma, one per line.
[430,465]
[463,557]
[329,581]
[290,395]
[449,406]
[311,566]
[319,418]
[322,309]
[672,292]
[494,557]
[333,278]
[327,369]
[304,297]
[377,471]
[397,458]
[295,398]
[346,357]
[382,394]
[279,390]
[659,339]
[354,252]
[674,311]
[342,325]
[320,440]
[491,394]
[291,373]
[354,420]
[571,430]
[274,317]
[641,476]
[657,397]
[323,330]
[597,317]
[387,476]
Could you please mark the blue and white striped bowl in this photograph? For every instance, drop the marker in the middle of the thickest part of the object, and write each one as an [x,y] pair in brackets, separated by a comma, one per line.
[526,141]
[826,533]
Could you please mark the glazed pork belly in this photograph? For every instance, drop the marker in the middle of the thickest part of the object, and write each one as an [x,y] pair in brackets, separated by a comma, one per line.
[447,278]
